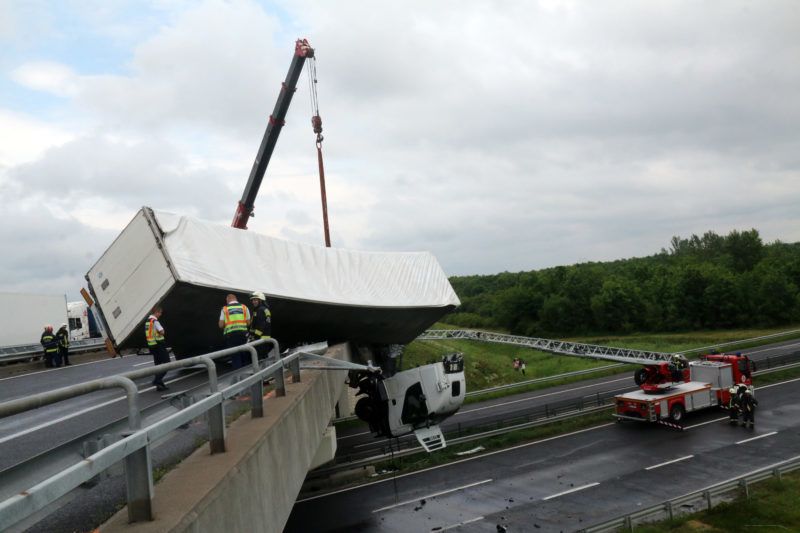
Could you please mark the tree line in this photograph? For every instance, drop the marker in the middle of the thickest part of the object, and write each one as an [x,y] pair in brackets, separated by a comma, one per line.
[706,282]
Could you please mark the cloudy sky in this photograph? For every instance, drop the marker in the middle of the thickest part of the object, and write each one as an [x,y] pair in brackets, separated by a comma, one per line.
[498,135]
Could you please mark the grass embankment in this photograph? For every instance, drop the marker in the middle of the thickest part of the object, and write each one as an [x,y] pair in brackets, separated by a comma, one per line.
[490,365]
[772,506]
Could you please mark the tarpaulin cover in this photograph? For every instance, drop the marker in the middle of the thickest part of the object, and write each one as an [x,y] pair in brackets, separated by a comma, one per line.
[217,256]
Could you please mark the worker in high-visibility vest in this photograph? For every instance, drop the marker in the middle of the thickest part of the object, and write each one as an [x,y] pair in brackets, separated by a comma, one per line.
[50,345]
[234,321]
[154,333]
[63,344]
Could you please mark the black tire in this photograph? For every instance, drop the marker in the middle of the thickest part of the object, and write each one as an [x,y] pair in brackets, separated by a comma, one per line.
[640,376]
[364,409]
[677,412]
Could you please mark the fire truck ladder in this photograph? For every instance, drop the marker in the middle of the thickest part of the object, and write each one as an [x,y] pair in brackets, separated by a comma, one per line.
[577,349]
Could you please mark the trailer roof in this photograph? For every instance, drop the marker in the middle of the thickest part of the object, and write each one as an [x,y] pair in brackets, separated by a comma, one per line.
[212,255]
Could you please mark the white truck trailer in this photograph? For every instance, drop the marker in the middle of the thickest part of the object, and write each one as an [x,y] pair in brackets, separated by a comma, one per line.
[25,315]
[187,266]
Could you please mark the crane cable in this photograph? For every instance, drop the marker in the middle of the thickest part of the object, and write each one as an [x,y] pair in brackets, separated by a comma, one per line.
[316,123]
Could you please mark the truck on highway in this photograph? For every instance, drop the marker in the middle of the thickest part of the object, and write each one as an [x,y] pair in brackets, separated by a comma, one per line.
[703,384]
[25,315]
[82,322]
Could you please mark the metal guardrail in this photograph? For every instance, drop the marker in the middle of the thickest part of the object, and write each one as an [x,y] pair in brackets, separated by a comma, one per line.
[668,509]
[134,448]
[21,352]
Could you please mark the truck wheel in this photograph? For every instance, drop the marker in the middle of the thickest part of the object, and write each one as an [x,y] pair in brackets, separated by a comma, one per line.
[364,409]
[640,376]
[677,412]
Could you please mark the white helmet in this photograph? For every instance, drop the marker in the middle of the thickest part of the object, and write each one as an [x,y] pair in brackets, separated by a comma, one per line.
[258,295]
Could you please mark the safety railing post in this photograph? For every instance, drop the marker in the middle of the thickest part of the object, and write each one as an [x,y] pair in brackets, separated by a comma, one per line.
[139,485]
[280,382]
[256,389]
[294,366]
[216,428]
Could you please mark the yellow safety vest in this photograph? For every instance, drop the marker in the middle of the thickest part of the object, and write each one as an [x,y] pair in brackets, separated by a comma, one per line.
[235,318]
[152,334]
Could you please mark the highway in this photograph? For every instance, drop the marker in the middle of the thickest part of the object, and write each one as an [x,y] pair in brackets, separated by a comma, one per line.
[360,442]
[28,435]
[566,482]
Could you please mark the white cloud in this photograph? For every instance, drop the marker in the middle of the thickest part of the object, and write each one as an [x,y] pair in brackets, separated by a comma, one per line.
[500,139]
[49,77]
[23,138]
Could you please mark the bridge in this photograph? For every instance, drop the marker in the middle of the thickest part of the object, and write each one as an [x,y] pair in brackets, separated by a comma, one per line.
[255,463]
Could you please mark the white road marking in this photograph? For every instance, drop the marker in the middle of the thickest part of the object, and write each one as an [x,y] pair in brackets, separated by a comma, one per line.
[434,495]
[73,365]
[463,412]
[779,383]
[570,491]
[464,523]
[142,364]
[773,348]
[659,465]
[708,422]
[82,411]
[756,438]
[481,456]
[354,435]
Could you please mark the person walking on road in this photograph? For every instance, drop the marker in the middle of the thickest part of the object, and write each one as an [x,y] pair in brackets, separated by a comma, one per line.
[63,344]
[50,345]
[154,332]
[234,321]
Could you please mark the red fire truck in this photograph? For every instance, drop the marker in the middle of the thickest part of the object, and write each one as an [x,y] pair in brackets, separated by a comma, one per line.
[672,392]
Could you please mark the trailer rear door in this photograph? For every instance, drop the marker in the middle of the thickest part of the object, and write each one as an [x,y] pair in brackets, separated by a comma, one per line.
[130,278]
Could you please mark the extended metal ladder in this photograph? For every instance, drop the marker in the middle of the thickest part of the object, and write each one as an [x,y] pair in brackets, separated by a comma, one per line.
[590,351]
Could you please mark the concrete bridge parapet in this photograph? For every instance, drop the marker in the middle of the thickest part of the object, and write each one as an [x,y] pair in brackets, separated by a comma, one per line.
[253,485]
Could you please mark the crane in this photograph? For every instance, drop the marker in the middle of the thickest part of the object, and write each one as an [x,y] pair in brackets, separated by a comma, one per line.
[302,51]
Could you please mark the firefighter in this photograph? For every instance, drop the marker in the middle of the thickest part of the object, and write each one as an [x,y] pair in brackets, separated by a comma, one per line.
[733,404]
[261,325]
[234,321]
[50,345]
[63,344]
[749,404]
[154,333]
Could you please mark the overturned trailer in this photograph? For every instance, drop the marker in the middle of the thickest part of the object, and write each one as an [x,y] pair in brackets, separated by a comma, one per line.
[188,266]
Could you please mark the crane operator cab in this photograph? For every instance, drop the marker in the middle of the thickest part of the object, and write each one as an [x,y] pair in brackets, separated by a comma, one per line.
[414,400]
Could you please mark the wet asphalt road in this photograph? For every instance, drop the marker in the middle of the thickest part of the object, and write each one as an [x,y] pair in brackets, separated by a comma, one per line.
[566,482]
